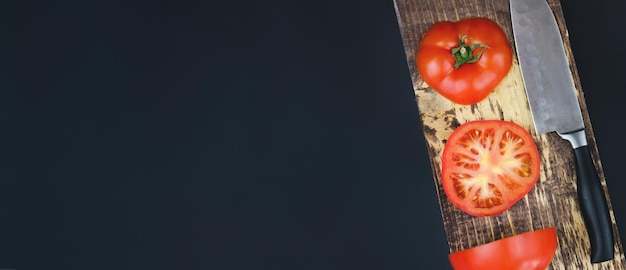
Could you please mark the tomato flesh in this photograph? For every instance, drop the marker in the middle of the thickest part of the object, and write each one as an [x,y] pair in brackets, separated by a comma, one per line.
[527,251]
[470,82]
[488,166]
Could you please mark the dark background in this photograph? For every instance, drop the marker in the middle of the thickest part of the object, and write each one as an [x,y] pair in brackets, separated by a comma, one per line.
[236,135]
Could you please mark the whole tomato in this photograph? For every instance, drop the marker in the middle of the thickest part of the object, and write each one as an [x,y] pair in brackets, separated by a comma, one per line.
[464,60]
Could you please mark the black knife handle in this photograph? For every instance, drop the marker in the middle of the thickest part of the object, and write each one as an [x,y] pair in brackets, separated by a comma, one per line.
[594,207]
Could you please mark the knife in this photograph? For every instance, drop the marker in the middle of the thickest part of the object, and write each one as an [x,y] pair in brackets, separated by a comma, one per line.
[554,108]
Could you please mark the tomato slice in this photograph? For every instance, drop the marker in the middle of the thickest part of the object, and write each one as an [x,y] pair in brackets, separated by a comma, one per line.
[527,251]
[488,166]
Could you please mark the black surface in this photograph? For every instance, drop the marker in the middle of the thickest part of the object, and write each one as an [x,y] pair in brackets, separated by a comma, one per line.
[238,135]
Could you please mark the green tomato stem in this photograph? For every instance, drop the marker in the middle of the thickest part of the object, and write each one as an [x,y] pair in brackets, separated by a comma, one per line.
[465,53]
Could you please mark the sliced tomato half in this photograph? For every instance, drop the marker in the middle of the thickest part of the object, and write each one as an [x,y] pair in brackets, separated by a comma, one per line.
[488,166]
[527,251]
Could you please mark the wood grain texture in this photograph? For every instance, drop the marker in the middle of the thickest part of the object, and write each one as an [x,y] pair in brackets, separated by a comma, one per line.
[553,202]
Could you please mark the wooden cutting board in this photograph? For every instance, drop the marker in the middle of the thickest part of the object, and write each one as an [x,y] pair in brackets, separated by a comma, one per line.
[553,202]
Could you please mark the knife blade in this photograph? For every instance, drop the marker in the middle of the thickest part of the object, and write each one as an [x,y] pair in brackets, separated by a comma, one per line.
[554,108]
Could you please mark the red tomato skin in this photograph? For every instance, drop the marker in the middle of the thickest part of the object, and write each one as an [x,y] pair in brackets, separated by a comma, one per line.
[509,197]
[470,83]
[527,251]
